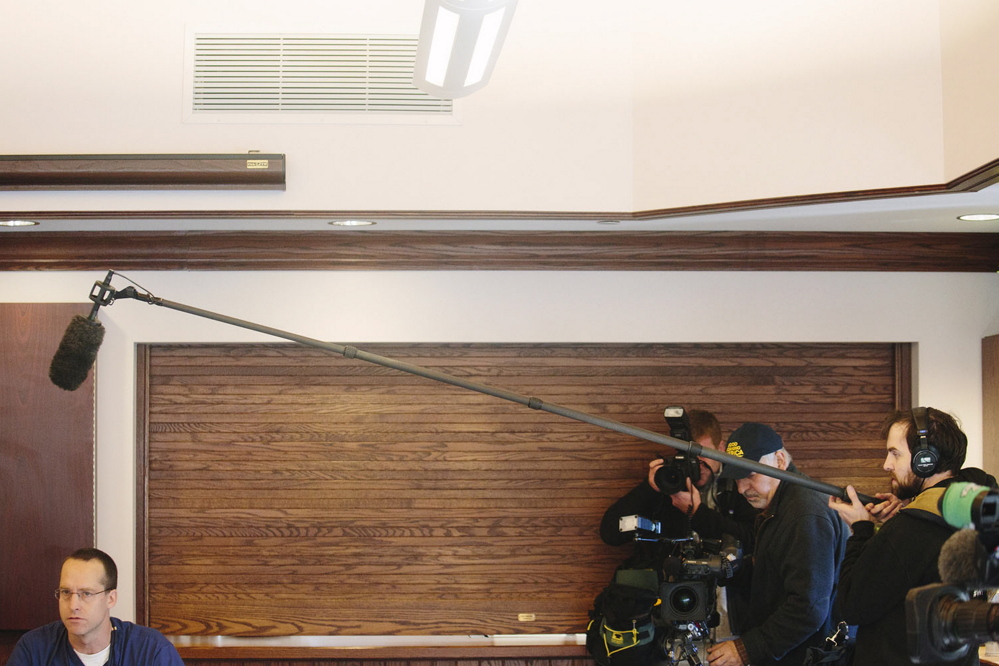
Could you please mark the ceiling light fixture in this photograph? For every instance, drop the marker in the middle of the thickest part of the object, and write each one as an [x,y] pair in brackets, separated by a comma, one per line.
[979,217]
[460,42]
[18,223]
[352,223]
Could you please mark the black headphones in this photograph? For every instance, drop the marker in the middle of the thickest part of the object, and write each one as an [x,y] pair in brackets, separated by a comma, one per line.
[925,457]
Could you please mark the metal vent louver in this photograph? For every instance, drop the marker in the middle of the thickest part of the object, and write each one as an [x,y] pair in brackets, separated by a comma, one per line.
[308,74]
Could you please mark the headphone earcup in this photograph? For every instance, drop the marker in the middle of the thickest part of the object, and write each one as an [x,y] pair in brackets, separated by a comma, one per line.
[925,457]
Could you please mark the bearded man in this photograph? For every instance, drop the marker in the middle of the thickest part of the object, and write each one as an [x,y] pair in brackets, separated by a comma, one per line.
[926,450]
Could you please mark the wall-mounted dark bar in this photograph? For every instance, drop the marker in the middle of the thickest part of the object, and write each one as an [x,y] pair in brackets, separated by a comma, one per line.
[246,171]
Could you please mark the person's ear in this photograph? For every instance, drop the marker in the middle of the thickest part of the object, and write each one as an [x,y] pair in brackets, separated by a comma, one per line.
[781,459]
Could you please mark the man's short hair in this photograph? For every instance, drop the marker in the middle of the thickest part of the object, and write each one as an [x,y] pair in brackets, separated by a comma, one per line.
[704,423]
[771,458]
[110,568]
[942,431]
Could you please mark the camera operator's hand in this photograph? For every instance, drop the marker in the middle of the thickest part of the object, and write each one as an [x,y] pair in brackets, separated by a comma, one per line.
[689,500]
[724,654]
[884,510]
[653,468]
[852,511]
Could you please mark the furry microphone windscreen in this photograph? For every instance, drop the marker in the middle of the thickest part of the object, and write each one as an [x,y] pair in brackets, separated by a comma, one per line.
[76,353]
[961,559]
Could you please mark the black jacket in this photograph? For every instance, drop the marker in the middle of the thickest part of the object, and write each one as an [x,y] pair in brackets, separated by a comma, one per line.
[799,545]
[881,567]
[733,515]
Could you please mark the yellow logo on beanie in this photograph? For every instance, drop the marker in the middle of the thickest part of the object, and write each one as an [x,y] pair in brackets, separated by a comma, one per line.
[733,449]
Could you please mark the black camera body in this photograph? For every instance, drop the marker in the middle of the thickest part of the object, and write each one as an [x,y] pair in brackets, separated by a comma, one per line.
[672,476]
[690,578]
[945,620]
[688,587]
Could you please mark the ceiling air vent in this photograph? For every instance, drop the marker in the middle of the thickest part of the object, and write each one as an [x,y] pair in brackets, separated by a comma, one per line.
[306,78]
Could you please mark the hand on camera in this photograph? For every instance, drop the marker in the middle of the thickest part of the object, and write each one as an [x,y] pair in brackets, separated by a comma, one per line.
[653,468]
[688,500]
[724,654]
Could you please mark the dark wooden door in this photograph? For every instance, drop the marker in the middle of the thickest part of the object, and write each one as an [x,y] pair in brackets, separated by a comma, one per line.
[46,463]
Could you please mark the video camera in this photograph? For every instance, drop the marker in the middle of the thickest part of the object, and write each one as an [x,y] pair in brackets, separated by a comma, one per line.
[689,578]
[672,476]
[944,620]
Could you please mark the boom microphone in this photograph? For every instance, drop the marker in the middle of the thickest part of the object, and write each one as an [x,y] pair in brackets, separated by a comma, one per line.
[83,337]
[77,352]
[80,355]
[962,559]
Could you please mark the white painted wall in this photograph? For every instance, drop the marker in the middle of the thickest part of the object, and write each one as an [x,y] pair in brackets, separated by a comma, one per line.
[970,83]
[593,106]
[832,96]
[946,314]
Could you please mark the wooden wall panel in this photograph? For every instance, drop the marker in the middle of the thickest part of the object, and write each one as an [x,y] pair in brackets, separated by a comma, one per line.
[290,491]
[990,402]
[46,464]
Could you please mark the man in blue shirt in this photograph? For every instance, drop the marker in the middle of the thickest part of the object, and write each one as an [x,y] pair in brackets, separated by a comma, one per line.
[87,635]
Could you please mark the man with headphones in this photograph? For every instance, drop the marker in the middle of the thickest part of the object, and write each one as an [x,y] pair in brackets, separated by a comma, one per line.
[883,561]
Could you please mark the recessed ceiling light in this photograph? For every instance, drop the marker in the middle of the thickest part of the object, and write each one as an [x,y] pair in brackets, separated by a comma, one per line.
[18,223]
[352,223]
[979,217]
[608,221]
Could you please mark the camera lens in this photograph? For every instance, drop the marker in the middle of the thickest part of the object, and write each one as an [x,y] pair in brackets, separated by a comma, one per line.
[670,478]
[683,600]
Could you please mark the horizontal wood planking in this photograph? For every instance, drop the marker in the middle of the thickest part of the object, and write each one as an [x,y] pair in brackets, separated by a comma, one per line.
[290,491]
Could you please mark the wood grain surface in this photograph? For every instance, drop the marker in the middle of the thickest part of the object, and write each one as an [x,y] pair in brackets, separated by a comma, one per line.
[289,491]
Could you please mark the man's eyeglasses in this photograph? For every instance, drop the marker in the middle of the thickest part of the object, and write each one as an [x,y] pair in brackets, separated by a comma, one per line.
[86,596]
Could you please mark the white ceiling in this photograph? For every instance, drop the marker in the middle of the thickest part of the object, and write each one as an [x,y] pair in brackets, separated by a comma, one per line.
[667,104]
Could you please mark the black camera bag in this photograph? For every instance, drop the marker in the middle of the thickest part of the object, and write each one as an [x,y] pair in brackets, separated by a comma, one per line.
[621,630]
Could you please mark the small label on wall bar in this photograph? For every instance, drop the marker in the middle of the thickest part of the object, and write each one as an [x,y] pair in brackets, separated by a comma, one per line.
[526,617]
[257,164]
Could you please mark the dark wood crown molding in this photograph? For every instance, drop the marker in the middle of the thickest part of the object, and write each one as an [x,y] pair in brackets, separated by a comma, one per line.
[496,250]
[507,250]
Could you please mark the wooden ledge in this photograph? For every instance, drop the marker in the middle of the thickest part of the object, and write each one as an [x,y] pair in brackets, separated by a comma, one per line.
[384,648]
[421,652]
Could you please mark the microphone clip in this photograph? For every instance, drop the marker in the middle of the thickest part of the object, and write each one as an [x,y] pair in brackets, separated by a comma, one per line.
[102,293]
